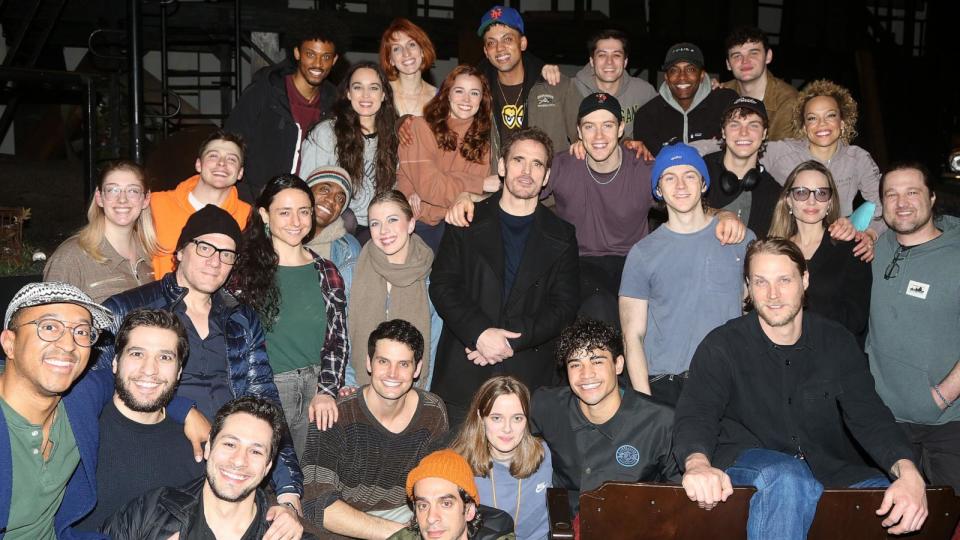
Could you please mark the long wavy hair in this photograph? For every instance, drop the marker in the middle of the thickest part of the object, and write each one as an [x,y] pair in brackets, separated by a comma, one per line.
[91,235]
[254,278]
[784,224]
[472,444]
[475,146]
[350,137]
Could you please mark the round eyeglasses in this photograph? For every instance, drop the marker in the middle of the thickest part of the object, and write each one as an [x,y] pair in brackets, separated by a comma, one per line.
[821,194]
[51,330]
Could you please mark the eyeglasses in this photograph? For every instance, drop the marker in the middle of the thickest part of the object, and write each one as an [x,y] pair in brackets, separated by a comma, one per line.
[207,250]
[51,330]
[821,194]
[111,192]
[893,269]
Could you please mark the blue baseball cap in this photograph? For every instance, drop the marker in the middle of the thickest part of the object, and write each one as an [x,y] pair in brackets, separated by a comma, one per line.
[673,155]
[501,15]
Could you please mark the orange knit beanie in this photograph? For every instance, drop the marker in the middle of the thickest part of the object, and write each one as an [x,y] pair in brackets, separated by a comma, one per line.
[445,464]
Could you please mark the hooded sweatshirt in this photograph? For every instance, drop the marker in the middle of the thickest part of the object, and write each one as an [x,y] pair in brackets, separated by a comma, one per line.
[663,119]
[632,94]
[914,338]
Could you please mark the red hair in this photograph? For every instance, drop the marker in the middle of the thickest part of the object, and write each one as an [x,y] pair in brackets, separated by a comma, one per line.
[417,34]
[476,141]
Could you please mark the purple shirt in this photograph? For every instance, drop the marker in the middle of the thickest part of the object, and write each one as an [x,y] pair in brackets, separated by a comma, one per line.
[609,210]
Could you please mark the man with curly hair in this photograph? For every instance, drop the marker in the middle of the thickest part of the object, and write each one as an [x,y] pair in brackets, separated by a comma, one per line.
[626,434]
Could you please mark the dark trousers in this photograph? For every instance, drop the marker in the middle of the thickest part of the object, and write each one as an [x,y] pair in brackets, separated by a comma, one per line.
[600,287]
[938,449]
[430,234]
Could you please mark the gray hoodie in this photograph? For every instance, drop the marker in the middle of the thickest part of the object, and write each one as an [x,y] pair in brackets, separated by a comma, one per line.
[632,94]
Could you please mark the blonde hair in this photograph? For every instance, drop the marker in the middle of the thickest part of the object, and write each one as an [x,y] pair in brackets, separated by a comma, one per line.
[91,235]
[472,444]
[845,102]
[784,224]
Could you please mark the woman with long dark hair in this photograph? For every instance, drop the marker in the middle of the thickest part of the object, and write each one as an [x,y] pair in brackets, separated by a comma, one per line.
[361,138]
[839,282]
[114,250]
[301,302]
[450,152]
[509,463]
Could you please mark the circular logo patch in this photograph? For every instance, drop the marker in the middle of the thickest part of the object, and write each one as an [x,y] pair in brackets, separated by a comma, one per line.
[628,456]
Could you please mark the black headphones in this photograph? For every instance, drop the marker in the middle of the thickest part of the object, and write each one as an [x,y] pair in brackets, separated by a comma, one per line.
[730,184]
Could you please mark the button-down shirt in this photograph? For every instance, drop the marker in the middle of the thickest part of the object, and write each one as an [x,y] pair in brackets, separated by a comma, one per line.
[100,280]
[799,399]
[632,446]
[205,379]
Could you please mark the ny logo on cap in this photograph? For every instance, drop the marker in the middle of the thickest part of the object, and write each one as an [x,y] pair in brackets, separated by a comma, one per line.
[495,13]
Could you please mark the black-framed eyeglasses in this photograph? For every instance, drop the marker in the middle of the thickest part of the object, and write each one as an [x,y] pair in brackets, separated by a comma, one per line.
[207,250]
[821,194]
[51,330]
[893,269]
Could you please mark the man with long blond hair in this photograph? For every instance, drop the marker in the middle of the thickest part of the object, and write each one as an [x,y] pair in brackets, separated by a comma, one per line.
[512,468]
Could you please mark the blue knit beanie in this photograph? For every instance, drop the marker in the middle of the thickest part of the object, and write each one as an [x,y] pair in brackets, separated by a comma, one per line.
[673,155]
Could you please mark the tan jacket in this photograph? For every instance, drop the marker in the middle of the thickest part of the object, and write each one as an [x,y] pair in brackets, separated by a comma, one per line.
[779,98]
[71,264]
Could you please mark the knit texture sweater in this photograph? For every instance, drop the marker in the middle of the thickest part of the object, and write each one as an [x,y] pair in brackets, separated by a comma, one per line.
[362,463]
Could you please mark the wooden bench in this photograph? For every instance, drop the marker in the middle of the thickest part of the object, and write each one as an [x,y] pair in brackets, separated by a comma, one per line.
[649,511]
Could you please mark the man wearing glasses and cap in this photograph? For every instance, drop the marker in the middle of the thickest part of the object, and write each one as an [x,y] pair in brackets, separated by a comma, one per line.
[48,443]
[914,339]
[228,356]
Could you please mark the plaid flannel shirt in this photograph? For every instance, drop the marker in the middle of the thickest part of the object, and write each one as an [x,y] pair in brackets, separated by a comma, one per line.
[336,345]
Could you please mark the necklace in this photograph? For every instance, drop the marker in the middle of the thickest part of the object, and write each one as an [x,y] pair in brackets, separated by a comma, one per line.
[403,100]
[612,178]
[516,513]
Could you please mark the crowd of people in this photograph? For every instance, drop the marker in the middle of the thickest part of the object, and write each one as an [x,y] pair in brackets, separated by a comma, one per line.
[392,310]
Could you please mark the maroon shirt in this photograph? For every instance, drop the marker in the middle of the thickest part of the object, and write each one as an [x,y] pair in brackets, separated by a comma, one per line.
[610,213]
[305,112]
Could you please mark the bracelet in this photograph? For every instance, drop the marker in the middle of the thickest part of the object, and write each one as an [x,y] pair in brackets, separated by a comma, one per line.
[936,388]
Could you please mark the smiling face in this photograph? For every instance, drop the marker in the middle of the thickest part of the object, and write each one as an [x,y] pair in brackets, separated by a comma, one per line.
[609,60]
[524,170]
[822,121]
[776,288]
[681,187]
[748,61]
[683,80]
[47,367]
[466,93]
[365,92]
[743,135]
[204,274]
[440,512]
[239,458]
[330,200]
[600,132]
[503,47]
[119,199]
[146,371]
[220,164]
[405,54]
[810,211]
[315,59]
[392,369]
[907,202]
[505,426]
[290,217]
[593,376]
[390,230]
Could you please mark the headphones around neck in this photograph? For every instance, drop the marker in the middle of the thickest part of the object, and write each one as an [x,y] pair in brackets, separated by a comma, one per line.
[730,184]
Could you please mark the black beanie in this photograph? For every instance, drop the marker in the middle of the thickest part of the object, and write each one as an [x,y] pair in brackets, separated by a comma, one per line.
[210,219]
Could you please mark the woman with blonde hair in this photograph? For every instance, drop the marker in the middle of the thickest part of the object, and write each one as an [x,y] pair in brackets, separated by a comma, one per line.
[839,282]
[824,123]
[406,53]
[511,466]
[113,251]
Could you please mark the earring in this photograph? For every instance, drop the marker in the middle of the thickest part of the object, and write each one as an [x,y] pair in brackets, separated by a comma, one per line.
[790,210]
[266,229]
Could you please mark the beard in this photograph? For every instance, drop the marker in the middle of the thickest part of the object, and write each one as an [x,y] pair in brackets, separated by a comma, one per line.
[783,319]
[128,399]
[223,496]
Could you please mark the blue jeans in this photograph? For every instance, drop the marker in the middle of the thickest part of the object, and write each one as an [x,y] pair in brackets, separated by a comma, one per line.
[787,494]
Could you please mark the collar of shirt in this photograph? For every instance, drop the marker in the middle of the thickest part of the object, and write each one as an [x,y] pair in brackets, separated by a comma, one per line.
[114,259]
[612,427]
[805,341]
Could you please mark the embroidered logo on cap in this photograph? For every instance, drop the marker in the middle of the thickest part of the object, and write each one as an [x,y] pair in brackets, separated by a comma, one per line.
[495,13]
[628,456]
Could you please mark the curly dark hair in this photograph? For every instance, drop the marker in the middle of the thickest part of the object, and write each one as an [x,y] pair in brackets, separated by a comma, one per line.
[253,280]
[586,335]
[350,136]
[476,141]
[745,34]
[400,331]
[257,407]
[845,103]
[473,526]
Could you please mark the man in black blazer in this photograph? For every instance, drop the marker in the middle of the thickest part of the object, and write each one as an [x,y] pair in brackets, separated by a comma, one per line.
[507,285]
